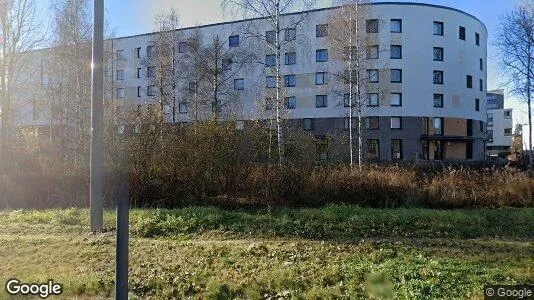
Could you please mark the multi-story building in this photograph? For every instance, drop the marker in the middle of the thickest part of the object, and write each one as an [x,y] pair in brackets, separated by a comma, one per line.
[500,124]
[425,78]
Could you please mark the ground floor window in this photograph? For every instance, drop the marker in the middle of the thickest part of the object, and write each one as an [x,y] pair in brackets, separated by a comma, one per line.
[396,149]
[373,149]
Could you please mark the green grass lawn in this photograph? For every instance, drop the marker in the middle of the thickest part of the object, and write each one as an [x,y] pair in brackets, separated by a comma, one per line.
[341,252]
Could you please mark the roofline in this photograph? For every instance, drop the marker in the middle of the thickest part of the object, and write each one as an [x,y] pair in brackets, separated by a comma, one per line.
[311,11]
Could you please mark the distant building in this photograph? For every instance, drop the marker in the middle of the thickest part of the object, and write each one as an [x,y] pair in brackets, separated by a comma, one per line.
[500,124]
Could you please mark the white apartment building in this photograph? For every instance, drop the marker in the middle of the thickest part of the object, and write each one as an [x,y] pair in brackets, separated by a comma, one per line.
[500,124]
[424,95]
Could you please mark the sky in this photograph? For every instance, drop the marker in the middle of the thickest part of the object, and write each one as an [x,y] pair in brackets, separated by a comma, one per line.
[131,17]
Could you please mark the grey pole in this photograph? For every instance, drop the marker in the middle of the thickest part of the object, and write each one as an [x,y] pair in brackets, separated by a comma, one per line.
[97,119]
[121,254]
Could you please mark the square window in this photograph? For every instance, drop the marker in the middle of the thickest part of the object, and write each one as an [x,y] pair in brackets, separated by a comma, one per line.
[469,81]
[120,54]
[182,47]
[308,124]
[396,99]
[396,51]
[372,99]
[239,84]
[321,101]
[227,64]
[372,123]
[193,87]
[438,77]
[373,149]
[321,30]
[396,149]
[461,33]
[477,39]
[320,78]
[396,123]
[396,75]
[270,60]
[321,55]
[150,51]
[120,74]
[182,107]
[438,100]
[291,58]
[438,126]
[290,102]
[438,54]
[346,99]
[151,72]
[233,41]
[290,80]
[120,93]
[438,28]
[271,82]
[151,90]
[270,37]
[396,26]
[372,52]
[477,104]
[290,34]
[372,26]
[350,53]
[350,76]
[372,75]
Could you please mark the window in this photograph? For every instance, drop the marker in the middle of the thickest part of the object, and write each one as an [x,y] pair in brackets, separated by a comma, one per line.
[507,114]
[507,131]
[438,54]
[270,60]
[151,90]
[193,87]
[350,76]
[396,99]
[438,77]
[438,100]
[150,51]
[424,125]
[320,78]
[396,26]
[372,75]
[481,85]
[120,74]
[469,81]
[270,36]
[477,39]
[481,126]
[120,93]
[346,100]
[481,64]
[461,33]
[438,126]
[396,75]
[396,51]
[138,52]
[138,72]
[271,82]
[268,103]
[321,55]
[182,107]
[372,123]
[227,64]
[290,34]
[182,47]
[291,58]
[321,30]
[372,26]
[239,84]
[138,91]
[290,102]
[233,41]
[373,149]
[350,53]
[396,123]
[490,117]
[396,149]
[120,54]
[290,80]
[321,101]
[477,104]
[490,135]
[438,28]
[372,52]
[308,124]
[151,72]
[372,99]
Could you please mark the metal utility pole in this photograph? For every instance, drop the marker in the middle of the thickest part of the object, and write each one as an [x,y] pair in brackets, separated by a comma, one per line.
[97,119]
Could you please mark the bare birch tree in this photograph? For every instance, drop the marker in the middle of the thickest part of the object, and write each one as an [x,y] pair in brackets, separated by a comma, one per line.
[515,45]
